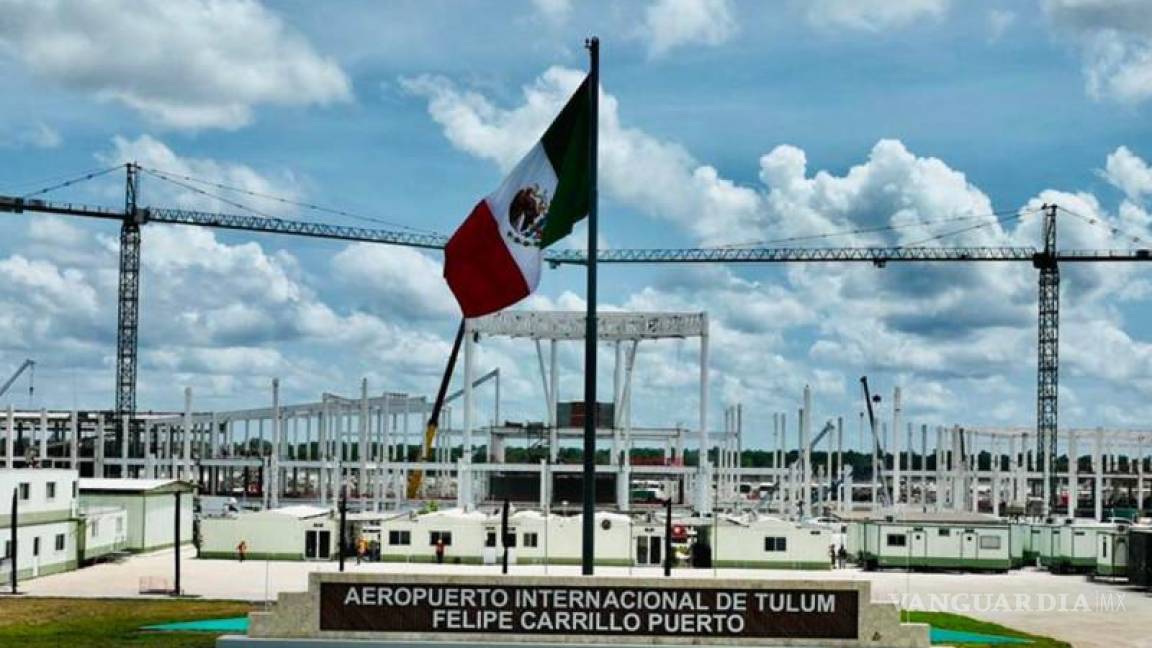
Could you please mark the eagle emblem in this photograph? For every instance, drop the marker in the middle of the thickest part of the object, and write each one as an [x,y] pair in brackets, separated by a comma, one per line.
[526,215]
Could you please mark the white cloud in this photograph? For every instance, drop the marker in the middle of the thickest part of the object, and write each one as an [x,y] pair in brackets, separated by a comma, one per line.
[46,286]
[396,280]
[152,153]
[222,317]
[54,230]
[36,135]
[873,15]
[941,325]
[669,24]
[658,177]
[181,63]
[999,22]
[554,11]
[1129,173]
[1115,37]
[661,179]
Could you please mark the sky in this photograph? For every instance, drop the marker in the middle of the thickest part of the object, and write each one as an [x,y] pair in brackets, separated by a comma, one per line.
[723,122]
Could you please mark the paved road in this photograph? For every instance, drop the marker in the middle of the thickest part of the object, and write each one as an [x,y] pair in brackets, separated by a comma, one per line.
[1067,607]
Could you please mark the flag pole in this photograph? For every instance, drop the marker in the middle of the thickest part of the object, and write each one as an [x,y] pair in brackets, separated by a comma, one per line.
[416,476]
[590,333]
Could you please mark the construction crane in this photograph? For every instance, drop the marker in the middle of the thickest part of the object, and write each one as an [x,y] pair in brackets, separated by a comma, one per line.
[416,477]
[878,451]
[1046,260]
[28,365]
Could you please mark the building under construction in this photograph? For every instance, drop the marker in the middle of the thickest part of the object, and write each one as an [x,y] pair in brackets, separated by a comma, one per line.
[371,446]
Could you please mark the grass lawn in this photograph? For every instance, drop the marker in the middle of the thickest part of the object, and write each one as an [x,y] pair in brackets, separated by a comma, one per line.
[90,623]
[946,621]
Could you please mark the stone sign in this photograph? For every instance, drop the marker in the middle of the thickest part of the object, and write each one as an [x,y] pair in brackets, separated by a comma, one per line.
[379,607]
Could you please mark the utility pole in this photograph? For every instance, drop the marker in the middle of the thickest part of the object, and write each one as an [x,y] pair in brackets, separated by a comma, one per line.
[504,537]
[343,521]
[13,552]
[1048,355]
[176,546]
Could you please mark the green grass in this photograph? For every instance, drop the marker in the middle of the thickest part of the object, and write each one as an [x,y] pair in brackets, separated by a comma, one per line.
[100,623]
[946,621]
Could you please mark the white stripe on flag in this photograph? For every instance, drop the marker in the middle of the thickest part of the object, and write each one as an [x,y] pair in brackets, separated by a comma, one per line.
[534,172]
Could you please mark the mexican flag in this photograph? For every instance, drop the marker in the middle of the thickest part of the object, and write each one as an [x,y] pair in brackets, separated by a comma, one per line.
[493,260]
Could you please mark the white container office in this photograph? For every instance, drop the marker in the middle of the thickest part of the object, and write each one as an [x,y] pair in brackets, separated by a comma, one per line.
[290,533]
[928,542]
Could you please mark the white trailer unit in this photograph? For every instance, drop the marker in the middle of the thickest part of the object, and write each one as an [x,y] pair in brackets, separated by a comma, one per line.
[772,543]
[621,540]
[473,537]
[289,533]
[1074,546]
[151,507]
[1112,552]
[967,546]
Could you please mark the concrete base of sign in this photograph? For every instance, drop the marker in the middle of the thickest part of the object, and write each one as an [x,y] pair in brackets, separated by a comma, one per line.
[238,641]
[400,610]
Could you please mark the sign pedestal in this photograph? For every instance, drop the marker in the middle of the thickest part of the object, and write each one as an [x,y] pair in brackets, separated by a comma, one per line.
[425,610]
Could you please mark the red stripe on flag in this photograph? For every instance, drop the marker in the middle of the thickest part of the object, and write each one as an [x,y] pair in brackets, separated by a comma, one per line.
[480,271]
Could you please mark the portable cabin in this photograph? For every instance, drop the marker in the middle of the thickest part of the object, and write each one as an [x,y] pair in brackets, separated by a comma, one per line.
[290,533]
[536,538]
[473,537]
[1140,555]
[1112,552]
[412,537]
[528,539]
[46,529]
[969,542]
[771,543]
[151,506]
[1074,546]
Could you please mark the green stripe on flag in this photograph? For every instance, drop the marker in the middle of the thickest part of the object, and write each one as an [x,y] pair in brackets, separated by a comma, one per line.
[566,144]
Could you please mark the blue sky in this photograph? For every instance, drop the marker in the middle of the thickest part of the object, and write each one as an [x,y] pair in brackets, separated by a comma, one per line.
[723,121]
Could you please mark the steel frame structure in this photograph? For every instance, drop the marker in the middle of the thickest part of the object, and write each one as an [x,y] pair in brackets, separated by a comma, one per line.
[611,326]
